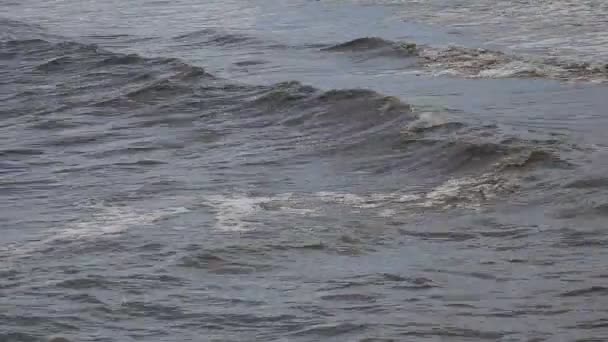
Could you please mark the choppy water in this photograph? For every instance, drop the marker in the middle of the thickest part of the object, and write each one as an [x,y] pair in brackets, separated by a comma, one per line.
[303,170]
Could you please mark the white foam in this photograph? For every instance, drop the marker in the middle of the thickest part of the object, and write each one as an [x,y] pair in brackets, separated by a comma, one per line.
[444,72]
[387,213]
[408,198]
[369,201]
[427,120]
[299,211]
[105,221]
[234,212]
[466,192]
[338,197]
[241,212]
[445,192]
[511,69]
[237,212]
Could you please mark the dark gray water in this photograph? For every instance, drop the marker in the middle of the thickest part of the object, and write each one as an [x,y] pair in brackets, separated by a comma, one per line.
[303,170]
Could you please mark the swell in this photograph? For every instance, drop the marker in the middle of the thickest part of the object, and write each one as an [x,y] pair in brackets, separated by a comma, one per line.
[476,62]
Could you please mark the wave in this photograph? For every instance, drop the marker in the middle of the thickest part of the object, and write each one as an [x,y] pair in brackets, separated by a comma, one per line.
[213,36]
[475,62]
[98,77]
[221,38]
[380,134]
[465,146]
[312,108]
[344,118]
[377,45]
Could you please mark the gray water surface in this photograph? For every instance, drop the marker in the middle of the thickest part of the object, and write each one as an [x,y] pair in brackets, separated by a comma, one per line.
[303,171]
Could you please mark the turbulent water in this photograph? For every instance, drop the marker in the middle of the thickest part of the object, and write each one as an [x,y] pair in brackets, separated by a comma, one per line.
[301,170]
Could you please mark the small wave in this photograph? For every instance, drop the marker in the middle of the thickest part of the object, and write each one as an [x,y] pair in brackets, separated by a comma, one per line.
[476,62]
[120,59]
[141,163]
[532,158]
[222,38]
[158,91]
[20,337]
[89,59]
[121,84]
[85,283]
[212,34]
[151,309]
[445,236]
[376,46]
[582,209]
[498,171]
[20,152]
[55,64]
[251,62]
[58,339]
[80,138]
[345,112]
[349,297]
[472,148]
[367,43]
[284,95]
[220,264]
[588,183]
[590,291]
[330,330]
[54,124]
[84,298]
[23,43]
[396,281]
[453,332]
[14,31]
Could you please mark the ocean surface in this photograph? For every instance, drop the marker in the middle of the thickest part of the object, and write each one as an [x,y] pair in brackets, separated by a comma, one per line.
[298,170]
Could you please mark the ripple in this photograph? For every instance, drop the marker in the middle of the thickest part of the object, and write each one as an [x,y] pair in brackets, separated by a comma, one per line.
[445,236]
[18,337]
[331,330]
[589,291]
[588,183]
[454,332]
[86,283]
[349,297]
[216,264]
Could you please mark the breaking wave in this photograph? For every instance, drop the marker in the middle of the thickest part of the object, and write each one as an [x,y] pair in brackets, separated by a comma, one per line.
[380,134]
[476,62]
